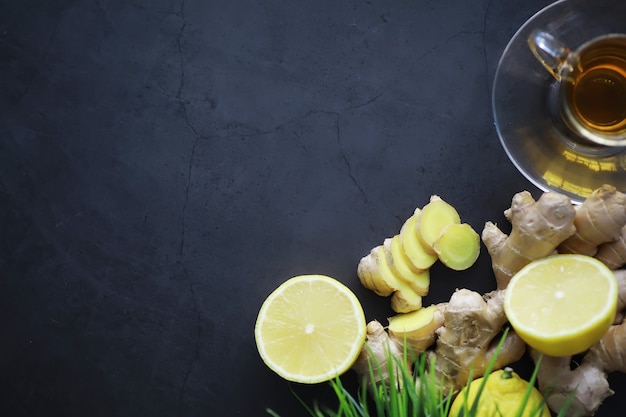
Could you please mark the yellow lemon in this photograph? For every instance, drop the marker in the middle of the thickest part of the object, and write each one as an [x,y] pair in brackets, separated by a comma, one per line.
[310,329]
[502,396]
[562,304]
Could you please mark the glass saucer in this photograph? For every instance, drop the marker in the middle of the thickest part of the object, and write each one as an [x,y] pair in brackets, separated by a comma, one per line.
[538,144]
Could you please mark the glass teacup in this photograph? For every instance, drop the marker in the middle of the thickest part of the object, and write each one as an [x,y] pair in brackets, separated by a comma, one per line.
[591,90]
[555,124]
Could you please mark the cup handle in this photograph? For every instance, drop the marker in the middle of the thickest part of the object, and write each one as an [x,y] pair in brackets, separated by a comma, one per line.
[548,50]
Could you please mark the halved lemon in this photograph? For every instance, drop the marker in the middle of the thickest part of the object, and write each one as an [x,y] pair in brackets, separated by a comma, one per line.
[562,304]
[310,329]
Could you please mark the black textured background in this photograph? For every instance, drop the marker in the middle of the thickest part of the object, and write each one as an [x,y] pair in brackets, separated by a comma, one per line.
[165,165]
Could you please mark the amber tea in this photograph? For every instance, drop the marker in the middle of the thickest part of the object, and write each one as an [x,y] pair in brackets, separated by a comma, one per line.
[593,92]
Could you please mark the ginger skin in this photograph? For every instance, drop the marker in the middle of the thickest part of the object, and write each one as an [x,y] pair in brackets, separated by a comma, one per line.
[379,343]
[538,228]
[613,254]
[468,338]
[620,276]
[552,223]
[466,333]
[599,219]
[589,380]
[374,355]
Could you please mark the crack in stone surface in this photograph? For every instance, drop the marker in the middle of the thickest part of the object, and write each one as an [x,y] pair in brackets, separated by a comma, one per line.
[229,130]
[337,116]
[346,160]
[181,250]
[143,7]
[308,114]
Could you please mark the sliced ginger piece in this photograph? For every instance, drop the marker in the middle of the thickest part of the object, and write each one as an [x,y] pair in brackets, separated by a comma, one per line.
[412,245]
[434,217]
[376,274]
[417,328]
[458,246]
[404,299]
[371,276]
[402,267]
[415,324]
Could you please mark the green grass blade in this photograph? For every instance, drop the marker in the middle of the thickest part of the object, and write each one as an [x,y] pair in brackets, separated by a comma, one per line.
[347,403]
[528,391]
[566,404]
[363,400]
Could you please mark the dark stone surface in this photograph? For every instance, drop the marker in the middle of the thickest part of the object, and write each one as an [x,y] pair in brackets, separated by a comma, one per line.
[165,165]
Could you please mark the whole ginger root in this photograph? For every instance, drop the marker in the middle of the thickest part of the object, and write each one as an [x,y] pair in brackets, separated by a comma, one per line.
[381,345]
[553,225]
[374,355]
[599,219]
[538,228]
[467,340]
[462,336]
